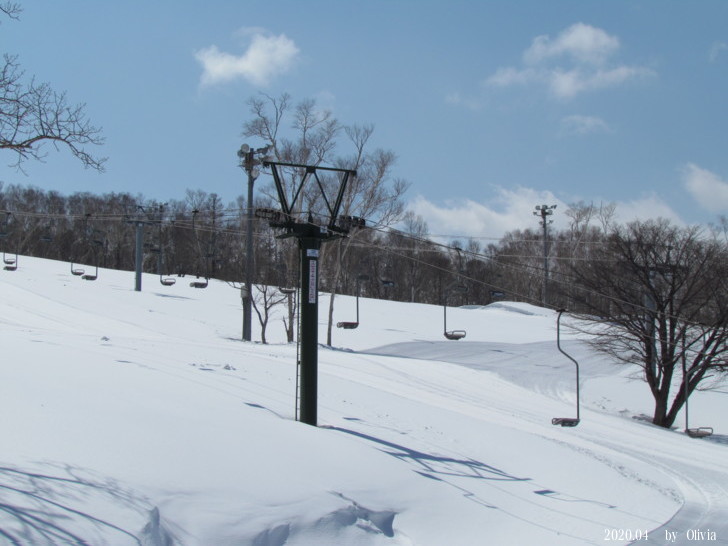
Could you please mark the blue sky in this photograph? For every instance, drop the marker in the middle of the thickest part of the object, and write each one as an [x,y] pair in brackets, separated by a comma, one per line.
[492,107]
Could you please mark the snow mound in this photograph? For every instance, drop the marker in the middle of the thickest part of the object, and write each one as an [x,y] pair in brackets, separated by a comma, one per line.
[348,524]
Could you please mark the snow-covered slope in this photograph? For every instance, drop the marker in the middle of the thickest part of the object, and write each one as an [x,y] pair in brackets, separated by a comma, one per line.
[140,418]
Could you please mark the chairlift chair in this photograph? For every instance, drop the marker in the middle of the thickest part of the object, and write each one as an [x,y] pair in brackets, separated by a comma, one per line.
[47,235]
[387,284]
[348,325]
[164,280]
[567,421]
[207,256]
[200,284]
[11,264]
[91,276]
[696,432]
[700,432]
[76,270]
[355,324]
[452,334]
[98,242]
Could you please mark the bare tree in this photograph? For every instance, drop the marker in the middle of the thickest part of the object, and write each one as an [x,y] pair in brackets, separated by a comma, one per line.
[661,296]
[11,9]
[311,139]
[33,114]
[265,299]
[605,214]
[372,195]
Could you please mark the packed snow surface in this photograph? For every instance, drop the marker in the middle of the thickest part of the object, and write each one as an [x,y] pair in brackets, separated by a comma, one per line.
[141,418]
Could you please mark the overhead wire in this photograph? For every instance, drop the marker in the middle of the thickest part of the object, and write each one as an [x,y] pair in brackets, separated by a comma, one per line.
[237,214]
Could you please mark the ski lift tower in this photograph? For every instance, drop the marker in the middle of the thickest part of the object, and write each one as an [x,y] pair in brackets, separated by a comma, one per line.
[311,235]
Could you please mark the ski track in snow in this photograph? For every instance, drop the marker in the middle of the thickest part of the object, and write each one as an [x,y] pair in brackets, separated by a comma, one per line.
[703,491]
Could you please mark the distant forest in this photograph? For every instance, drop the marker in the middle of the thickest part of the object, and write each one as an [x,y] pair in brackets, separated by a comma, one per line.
[200,236]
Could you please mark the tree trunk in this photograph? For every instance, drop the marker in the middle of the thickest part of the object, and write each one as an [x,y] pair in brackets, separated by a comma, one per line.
[660,417]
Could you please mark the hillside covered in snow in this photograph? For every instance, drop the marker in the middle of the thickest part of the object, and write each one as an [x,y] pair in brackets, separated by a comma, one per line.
[141,418]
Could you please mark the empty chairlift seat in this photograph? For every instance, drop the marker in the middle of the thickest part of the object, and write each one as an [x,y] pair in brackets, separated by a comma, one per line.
[565,421]
[10,262]
[700,432]
[347,325]
[199,284]
[91,276]
[352,325]
[452,334]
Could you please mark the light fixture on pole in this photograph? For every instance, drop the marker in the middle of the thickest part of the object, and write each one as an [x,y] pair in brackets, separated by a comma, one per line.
[544,211]
[250,158]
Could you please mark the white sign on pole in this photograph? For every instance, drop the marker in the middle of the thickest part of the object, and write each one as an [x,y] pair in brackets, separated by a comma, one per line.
[312,292]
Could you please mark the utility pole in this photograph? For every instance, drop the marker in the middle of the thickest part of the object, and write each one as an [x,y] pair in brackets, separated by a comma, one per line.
[249,160]
[139,221]
[544,211]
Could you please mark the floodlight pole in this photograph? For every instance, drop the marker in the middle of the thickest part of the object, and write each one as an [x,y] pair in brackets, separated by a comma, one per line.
[249,162]
[544,211]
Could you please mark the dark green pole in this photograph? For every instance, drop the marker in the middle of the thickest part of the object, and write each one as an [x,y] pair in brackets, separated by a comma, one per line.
[309,248]
[139,256]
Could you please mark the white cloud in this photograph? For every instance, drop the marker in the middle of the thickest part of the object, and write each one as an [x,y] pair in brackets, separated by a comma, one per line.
[458,100]
[504,77]
[583,125]
[648,207]
[582,43]
[716,50]
[509,210]
[513,209]
[576,61]
[267,56]
[706,188]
